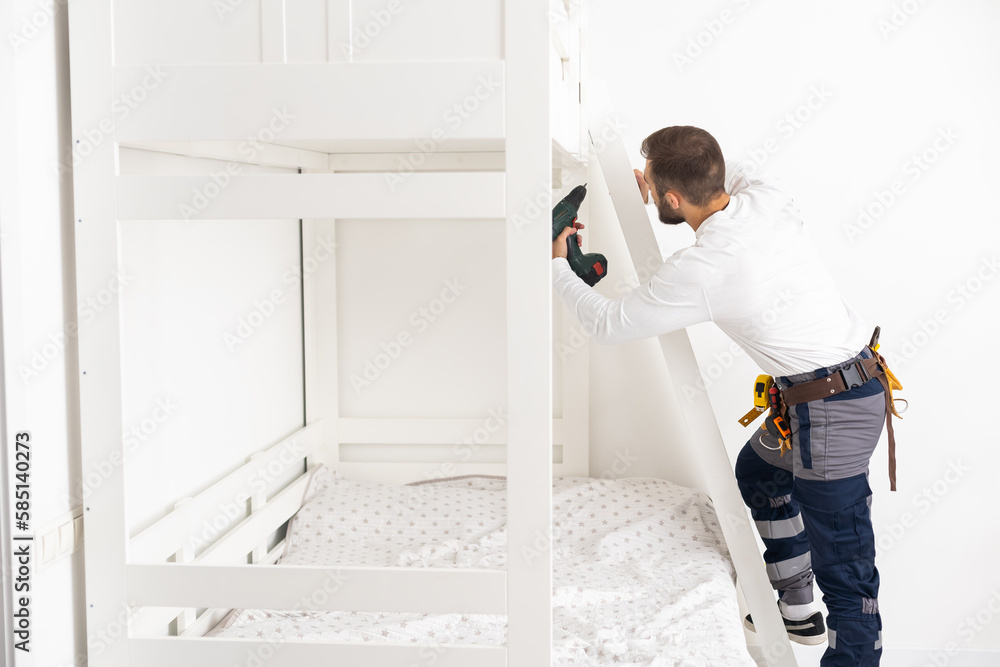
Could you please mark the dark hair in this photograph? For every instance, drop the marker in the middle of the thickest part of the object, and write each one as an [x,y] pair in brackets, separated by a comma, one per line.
[686,159]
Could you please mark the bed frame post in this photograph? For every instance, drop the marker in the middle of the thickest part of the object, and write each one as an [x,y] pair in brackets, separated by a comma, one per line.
[700,416]
[574,353]
[529,334]
[99,341]
[319,323]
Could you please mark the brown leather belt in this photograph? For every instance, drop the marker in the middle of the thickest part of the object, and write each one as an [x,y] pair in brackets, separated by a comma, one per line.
[843,380]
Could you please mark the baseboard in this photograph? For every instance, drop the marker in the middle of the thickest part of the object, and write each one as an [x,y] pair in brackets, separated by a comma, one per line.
[937,657]
[809,656]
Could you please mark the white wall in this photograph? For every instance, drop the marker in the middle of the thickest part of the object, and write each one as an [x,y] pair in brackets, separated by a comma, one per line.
[40,367]
[877,101]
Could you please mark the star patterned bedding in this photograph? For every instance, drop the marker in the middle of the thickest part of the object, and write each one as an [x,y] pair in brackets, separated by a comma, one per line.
[641,575]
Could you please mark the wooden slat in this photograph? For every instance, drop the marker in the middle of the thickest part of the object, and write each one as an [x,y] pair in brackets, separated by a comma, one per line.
[312,376]
[454,195]
[257,527]
[387,589]
[271,156]
[429,431]
[151,621]
[326,101]
[440,161]
[215,651]
[212,617]
[163,538]
[574,426]
[529,334]
[404,473]
[321,345]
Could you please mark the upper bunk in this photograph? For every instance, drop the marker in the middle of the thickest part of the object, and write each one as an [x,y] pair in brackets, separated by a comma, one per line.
[312,83]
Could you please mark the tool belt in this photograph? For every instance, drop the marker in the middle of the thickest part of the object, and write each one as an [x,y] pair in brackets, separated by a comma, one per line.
[846,379]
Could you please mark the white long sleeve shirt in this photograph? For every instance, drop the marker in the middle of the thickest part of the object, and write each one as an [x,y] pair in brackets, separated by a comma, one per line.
[753,270]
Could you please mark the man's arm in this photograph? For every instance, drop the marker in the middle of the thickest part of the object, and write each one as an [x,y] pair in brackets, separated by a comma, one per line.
[665,303]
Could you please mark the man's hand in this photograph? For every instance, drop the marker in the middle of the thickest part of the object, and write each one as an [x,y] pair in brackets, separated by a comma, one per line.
[559,245]
[640,178]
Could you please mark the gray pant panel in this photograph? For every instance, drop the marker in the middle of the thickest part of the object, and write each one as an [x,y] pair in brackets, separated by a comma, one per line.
[841,436]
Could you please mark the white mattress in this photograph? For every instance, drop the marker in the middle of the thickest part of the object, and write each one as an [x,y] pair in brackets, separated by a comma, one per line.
[641,573]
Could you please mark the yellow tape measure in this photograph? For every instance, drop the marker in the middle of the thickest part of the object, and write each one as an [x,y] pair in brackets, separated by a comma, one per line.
[760,388]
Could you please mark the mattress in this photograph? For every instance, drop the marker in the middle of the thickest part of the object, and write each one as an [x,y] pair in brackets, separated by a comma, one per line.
[641,575]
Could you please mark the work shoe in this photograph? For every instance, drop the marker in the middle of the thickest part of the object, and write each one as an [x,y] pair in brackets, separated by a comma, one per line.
[810,631]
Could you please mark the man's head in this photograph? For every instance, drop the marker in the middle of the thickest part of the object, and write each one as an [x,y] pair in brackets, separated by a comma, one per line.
[685,171]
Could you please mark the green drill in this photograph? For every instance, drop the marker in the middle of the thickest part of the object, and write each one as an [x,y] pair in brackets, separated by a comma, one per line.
[591,267]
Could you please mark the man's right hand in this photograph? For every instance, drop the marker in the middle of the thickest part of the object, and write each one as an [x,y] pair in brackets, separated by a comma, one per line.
[640,178]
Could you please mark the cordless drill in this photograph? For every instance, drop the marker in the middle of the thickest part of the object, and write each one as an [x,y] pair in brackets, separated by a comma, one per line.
[591,267]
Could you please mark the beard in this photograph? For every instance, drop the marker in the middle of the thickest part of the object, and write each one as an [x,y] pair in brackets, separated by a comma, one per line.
[667,214]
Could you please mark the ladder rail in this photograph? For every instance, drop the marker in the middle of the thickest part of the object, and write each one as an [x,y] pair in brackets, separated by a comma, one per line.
[700,416]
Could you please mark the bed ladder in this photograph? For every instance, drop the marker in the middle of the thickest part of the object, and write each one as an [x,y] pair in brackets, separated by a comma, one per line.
[702,423]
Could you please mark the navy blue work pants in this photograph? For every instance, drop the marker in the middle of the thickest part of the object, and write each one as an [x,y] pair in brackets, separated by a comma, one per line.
[812,510]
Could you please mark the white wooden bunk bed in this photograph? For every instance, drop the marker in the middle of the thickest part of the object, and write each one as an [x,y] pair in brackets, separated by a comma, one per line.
[356,121]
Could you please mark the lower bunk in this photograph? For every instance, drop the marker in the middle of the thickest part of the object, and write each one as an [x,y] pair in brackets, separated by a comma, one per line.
[641,574]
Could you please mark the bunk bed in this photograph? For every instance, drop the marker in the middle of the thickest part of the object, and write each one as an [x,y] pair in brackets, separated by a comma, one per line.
[488,125]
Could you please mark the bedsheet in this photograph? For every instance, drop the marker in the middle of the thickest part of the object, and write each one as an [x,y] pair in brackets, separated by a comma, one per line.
[641,574]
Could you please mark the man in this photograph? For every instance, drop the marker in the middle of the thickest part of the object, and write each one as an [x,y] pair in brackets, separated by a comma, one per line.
[754,272]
